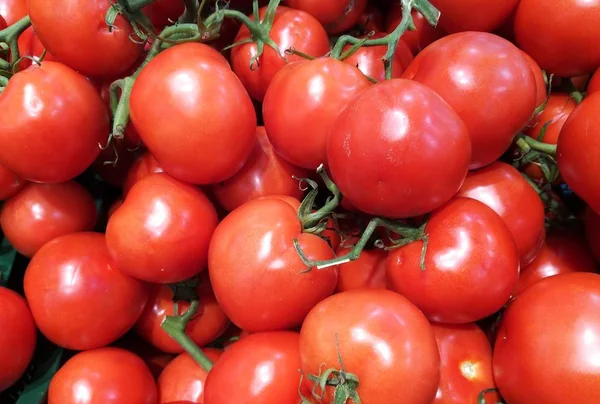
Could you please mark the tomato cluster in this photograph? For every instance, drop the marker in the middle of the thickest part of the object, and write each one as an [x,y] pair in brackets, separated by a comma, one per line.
[329,202]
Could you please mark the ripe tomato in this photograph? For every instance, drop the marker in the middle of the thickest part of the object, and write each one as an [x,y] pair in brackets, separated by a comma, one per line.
[561,315]
[371,19]
[10,183]
[385,149]
[560,36]
[578,151]
[161,232]
[17,340]
[99,50]
[52,123]
[540,85]
[592,231]
[502,187]
[378,327]
[13,10]
[183,379]
[206,326]
[200,125]
[369,59]
[474,15]
[336,15]
[487,81]
[423,35]
[164,12]
[42,212]
[368,271]
[265,173]
[78,297]
[2,23]
[291,29]
[142,167]
[471,264]
[466,364]
[594,83]
[30,45]
[265,367]
[256,272]
[301,106]
[103,376]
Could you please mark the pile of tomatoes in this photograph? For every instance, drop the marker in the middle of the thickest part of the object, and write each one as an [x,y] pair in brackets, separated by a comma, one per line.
[303,201]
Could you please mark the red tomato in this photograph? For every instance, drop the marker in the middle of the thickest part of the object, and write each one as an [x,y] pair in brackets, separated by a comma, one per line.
[336,15]
[17,339]
[206,326]
[501,187]
[368,271]
[13,10]
[385,150]
[540,85]
[378,327]
[471,264]
[164,12]
[578,151]
[474,15]
[161,232]
[560,36]
[291,29]
[2,23]
[52,122]
[194,140]
[183,379]
[369,59]
[30,45]
[10,183]
[594,83]
[302,104]
[41,212]
[371,19]
[423,35]
[592,231]
[256,272]
[98,51]
[466,364]
[265,367]
[558,315]
[103,376]
[143,166]
[487,81]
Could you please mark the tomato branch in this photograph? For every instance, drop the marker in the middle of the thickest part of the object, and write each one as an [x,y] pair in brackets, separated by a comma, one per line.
[526,144]
[10,36]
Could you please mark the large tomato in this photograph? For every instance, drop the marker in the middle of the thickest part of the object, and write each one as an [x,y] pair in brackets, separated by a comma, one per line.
[30,45]
[42,212]
[265,173]
[471,264]
[385,150]
[592,231]
[13,10]
[52,122]
[142,167]
[103,376]
[265,367]
[540,85]
[546,349]
[336,15]
[379,328]
[201,123]
[502,187]
[291,29]
[299,113]
[161,232]
[560,35]
[474,15]
[255,271]
[84,41]
[78,297]
[423,35]
[578,151]
[487,80]
[17,339]
[368,271]
[10,183]
[466,364]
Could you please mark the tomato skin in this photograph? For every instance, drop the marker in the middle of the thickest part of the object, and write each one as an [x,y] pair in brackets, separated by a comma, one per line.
[502,187]
[103,376]
[10,183]
[368,271]
[542,319]
[17,341]
[142,167]
[545,31]
[52,123]
[161,232]
[592,231]
[578,151]
[261,234]
[471,264]
[384,146]
[299,114]
[265,173]
[594,83]
[2,23]
[206,326]
[336,15]
[12,10]
[30,45]
[540,85]
[460,15]
[291,29]
[421,37]
[193,140]
[183,380]
[78,297]
[383,328]
[469,70]
[42,212]
[265,366]
[466,364]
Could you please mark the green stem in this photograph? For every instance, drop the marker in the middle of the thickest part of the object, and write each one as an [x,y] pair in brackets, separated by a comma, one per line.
[354,48]
[175,327]
[191,11]
[576,96]
[314,218]
[3,83]
[10,36]
[292,51]
[134,5]
[526,144]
